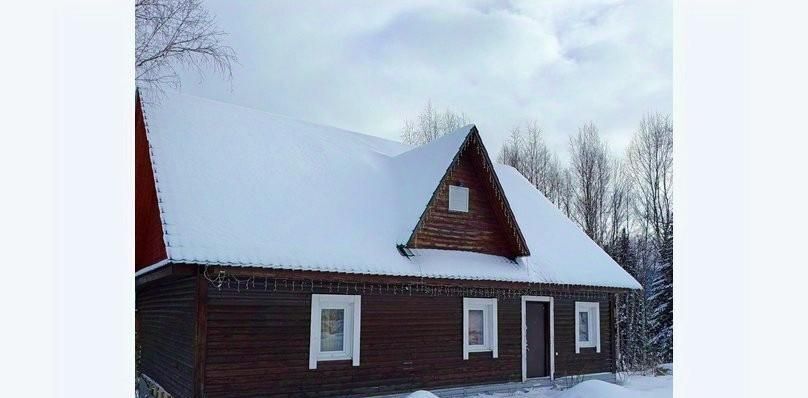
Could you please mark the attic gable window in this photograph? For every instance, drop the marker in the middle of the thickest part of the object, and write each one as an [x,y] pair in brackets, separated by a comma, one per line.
[458,198]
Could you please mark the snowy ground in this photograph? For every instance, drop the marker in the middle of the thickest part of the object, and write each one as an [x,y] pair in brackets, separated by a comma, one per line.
[634,387]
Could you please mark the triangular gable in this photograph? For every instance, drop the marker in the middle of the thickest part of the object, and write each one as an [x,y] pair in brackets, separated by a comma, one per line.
[488,227]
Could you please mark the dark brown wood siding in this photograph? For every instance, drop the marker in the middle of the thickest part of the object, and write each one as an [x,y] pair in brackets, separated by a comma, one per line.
[481,229]
[258,344]
[588,360]
[149,245]
[166,312]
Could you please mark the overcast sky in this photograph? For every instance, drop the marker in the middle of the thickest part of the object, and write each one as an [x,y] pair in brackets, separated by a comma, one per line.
[368,65]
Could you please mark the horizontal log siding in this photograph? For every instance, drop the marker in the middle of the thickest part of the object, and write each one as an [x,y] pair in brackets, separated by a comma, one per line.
[481,229]
[166,311]
[588,360]
[258,345]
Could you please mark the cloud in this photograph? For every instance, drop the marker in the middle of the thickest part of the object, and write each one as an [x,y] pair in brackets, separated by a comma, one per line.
[366,65]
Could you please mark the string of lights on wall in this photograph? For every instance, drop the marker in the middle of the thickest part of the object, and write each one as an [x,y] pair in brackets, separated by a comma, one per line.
[243,282]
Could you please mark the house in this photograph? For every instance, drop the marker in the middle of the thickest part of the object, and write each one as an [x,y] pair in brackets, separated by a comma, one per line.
[277,257]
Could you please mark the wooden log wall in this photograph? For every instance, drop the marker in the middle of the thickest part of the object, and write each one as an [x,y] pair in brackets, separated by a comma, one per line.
[568,362]
[166,312]
[258,345]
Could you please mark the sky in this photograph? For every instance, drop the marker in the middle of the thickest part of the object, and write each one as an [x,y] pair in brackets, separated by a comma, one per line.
[367,66]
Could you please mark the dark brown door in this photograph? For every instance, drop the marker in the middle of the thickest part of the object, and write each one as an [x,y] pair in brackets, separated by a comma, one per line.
[537,320]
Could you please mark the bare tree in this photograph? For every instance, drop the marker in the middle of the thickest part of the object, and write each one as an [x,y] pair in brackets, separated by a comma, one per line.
[543,165]
[526,151]
[650,162]
[620,201]
[564,197]
[511,153]
[535,156]
[591,174]
[172,33]
[431,124]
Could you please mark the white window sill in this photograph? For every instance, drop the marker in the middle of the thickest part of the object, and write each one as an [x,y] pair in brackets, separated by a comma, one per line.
[334,358]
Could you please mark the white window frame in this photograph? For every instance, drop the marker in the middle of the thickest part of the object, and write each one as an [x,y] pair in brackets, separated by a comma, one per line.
[458,198]
[593,309]
[490,335]
[352,305]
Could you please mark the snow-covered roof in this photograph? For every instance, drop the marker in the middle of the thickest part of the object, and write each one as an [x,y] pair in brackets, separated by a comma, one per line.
[242,187]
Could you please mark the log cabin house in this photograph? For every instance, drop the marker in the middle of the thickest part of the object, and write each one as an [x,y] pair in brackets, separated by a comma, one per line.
[280,258]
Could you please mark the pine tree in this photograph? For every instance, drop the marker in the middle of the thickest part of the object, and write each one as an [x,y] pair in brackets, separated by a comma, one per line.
[620,251]
[662,299]
[629,305]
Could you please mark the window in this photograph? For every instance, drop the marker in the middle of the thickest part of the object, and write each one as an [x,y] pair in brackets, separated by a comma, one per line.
[587,326]
[335,326]
[479,326]
[458,198]
[332,331]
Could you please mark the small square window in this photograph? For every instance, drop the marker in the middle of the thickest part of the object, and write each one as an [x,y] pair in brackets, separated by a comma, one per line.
[458,198]
[587,325]
[479,326]
[335,326]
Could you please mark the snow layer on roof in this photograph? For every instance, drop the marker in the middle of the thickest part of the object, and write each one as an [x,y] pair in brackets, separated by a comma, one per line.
[560,251]
[451,264]
[242,187]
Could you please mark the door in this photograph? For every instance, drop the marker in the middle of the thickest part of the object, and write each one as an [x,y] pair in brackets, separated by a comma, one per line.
[537,322]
